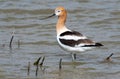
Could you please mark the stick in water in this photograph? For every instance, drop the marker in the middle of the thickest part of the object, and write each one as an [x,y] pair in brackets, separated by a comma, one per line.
[28,73]
[37,62]
[10,44]
[42,61]
[60,63]
[108,58]
[36,73]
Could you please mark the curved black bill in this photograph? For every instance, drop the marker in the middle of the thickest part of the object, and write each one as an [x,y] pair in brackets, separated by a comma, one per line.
[48,17]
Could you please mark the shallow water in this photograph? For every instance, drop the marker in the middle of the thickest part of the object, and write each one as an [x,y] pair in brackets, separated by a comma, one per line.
[97,19]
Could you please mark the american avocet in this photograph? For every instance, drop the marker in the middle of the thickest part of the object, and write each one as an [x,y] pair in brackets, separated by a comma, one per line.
[70,40]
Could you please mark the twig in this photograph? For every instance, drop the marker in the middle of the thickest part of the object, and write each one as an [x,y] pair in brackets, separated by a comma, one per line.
[60,64]
[36,73]
[28,73]
[10,44]
[41,64]
[37,62]
[108,58]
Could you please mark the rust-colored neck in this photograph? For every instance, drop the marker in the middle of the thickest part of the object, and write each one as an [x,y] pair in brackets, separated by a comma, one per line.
[60,26]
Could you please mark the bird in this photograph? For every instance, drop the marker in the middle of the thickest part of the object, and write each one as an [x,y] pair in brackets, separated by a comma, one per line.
[71,40]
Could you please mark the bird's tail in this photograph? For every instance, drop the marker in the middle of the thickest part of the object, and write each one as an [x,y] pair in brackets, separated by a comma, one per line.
[98,44]
[94,45]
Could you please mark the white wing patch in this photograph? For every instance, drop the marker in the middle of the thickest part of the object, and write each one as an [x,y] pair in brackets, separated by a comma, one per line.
[73,37]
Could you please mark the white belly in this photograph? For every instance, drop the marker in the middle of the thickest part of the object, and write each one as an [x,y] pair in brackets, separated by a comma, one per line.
[73,49]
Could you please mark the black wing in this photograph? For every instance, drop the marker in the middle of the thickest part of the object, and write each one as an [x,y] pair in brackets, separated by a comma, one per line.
[71,33]
[80,42]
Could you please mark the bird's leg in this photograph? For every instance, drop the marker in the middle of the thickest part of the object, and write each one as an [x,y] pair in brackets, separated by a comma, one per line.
[73,56]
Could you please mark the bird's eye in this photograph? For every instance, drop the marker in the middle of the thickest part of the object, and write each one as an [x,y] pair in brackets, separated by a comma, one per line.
[58,10]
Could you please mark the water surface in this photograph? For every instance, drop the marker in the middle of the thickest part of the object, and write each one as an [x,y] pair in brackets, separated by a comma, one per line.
[97,19]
